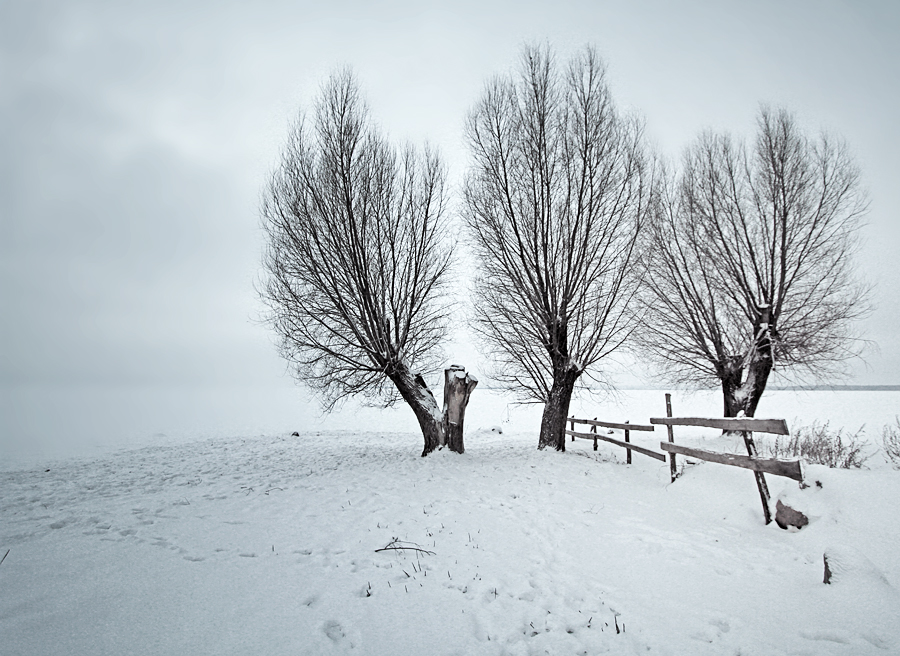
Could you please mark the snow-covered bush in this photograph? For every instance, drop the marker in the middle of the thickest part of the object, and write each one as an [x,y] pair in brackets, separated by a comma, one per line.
[890,440]
[819,444]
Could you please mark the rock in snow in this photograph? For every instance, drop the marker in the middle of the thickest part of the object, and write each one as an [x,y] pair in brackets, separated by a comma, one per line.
[786,516]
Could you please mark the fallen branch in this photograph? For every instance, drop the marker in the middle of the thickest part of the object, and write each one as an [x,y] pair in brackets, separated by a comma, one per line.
[398,545]
[4,556]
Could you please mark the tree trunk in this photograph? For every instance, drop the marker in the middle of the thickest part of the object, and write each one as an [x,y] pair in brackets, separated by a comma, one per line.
[752,390]
[458,386]
[744,397]
[556,409]
[730,376]
[415,392]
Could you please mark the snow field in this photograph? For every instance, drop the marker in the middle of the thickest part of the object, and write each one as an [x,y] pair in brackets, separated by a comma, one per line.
[268,545]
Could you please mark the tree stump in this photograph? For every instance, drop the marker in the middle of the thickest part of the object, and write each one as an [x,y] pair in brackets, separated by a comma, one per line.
[458,386]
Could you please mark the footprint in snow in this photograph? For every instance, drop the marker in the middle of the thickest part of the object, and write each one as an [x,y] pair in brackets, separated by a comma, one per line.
[721,623]
[334,630]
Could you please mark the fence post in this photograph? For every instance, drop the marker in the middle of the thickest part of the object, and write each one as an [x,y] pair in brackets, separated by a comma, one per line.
[594,431]
[628,440]
[572,425]
[760,477]
[672,469]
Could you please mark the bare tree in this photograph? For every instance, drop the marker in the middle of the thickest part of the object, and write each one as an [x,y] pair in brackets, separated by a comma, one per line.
[750,262]
[357,259]
[553,205]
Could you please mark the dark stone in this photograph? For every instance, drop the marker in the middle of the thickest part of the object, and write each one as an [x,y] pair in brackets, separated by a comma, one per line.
[786,516]
[295,434]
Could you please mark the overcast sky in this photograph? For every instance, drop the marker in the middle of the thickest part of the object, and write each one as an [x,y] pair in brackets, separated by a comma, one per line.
[135,137]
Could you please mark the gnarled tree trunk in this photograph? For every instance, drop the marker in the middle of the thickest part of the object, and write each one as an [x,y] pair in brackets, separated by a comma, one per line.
[744,396]
[415,392]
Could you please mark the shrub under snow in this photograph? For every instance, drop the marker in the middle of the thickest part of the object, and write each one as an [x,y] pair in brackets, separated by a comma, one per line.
[820,445]
[890,440]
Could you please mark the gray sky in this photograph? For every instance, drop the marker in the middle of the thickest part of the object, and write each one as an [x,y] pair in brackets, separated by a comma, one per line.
[135,137]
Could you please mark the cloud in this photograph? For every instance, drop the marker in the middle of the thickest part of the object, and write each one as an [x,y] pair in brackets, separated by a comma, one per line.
[123,257]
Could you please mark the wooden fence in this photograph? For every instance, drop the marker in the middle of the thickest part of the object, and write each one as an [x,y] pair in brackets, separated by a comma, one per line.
[745,427]
[627,427]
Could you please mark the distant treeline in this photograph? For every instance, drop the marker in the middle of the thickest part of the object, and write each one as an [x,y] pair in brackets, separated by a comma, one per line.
[786,388]
[841,388]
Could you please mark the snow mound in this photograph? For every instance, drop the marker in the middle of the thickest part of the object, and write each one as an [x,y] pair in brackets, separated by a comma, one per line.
[843,564]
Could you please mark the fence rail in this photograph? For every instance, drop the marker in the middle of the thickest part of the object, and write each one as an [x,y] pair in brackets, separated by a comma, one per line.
[789,468]
[610,424]
[736,424]
[626,426]
[611,440]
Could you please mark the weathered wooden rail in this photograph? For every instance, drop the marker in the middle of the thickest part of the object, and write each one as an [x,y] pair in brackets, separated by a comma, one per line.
[789,468]
[732,424]
[627,427]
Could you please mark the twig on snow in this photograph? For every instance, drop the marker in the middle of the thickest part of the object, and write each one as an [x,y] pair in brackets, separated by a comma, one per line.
[4,556]
[398,545]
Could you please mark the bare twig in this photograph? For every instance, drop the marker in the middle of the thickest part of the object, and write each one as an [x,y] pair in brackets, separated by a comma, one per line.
[398,545]
[4,557]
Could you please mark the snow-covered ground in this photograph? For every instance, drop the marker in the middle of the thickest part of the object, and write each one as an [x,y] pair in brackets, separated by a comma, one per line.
[269,544]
